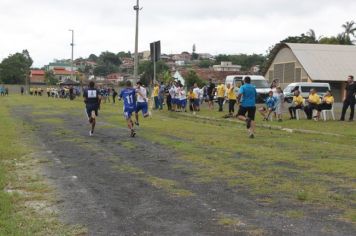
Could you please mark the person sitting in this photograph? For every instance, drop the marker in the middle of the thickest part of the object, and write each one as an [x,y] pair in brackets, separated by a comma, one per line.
[313,102]
[326,104]
[297,103]
[270,106]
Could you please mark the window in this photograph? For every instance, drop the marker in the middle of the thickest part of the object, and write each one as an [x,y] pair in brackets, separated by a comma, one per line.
[306,89]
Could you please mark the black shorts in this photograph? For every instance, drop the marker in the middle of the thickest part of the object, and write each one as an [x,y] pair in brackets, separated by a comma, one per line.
[211,98]
[251,111]
[90,108]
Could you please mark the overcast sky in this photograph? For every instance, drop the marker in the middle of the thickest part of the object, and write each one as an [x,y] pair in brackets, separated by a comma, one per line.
[223,26]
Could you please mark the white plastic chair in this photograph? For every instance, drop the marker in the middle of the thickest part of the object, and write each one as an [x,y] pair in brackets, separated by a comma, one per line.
[324,113]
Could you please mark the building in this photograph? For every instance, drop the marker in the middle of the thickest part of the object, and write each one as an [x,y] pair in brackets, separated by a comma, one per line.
[66,64]
[313,63]
[205,74]
[62,74]
[116,78]
[37,77]
[227,66]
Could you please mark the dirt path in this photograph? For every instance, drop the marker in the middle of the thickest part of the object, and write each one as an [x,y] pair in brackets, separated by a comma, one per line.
[115,185]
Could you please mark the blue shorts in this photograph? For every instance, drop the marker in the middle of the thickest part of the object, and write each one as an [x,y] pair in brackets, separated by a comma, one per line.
[174,101]
[197,102]
[128,112]
[183,103]
[142,106]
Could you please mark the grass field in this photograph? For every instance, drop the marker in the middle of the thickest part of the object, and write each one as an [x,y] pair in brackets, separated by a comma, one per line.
[303,172]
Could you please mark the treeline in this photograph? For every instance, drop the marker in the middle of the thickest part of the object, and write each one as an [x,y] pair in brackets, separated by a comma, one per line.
[15,68]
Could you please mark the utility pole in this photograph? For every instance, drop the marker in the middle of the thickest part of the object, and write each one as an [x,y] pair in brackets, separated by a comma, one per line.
[72,62]
[137,9]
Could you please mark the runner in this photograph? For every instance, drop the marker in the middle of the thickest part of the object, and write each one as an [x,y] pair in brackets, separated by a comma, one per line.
[92,100]
[141,104]
[248,95]
[129,96]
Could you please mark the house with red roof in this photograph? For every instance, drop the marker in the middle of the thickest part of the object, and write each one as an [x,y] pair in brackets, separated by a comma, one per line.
[37,77]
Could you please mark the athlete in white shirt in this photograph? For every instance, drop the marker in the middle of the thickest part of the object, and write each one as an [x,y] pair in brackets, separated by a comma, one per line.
[142,102]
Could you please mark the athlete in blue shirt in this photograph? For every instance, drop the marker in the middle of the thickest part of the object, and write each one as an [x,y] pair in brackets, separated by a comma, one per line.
[247,96]
[270,107]
[129,96]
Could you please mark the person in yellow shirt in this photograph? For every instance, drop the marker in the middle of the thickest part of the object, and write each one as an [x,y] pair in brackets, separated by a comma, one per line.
[298,103]
[192,97]
[221,96]
[326,103]
[231,96]
[313,102]
[155,97]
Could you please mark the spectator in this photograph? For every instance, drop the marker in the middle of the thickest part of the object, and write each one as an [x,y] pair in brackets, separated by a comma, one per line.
[156,98]
[221,96]
[279,103]
[270,106]
[231,95]
[326,104]
[297,103]
[349,99]
[114,95]
[313,102]
[161,93]
[197,93]
[22,90]
[211,93]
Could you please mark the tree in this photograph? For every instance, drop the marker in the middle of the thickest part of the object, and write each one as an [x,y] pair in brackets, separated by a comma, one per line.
[205,63]
[15,68]
[108,63]
[191,78]
[350,28]
[109,58]
[123,54]
[93,57]
[50,79]
[146,71]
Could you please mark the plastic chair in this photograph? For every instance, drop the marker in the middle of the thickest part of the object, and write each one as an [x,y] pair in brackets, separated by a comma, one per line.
[324,113]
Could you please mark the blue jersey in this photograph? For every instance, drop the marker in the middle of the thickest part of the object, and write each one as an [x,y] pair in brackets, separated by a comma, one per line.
[129,97]
[271,102]
[249,95]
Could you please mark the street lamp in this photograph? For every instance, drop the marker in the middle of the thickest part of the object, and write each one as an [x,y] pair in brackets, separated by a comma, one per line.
[137,9]
[72,62]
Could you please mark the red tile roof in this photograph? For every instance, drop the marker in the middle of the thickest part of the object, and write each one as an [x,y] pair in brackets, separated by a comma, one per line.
[37,72]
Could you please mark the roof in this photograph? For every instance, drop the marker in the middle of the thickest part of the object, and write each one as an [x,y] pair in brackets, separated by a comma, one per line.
[325,62]
[37,72]
[206,74]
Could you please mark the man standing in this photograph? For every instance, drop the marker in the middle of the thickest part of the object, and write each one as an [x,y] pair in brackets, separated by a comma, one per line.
[197,94]
[156,97]
[211,94]
[92,101]
[247,96]
[349,99]
[221,96]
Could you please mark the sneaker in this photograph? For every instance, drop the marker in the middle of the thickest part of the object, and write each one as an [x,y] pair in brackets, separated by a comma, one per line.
[91,133]
[280,120]
[248,123]
[251,136]
[133,133]
[137,124]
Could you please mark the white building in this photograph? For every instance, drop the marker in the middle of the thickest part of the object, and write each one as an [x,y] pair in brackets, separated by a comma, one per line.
[227,66]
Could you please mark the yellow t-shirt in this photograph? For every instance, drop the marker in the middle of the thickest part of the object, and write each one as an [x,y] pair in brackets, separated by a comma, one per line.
[155,91]
[192,95]
[315,99]
[329,99]
[298,100]
[221,91]
[231,95]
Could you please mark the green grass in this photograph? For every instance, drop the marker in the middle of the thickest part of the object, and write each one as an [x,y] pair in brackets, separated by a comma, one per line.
[18,173]
[316,170]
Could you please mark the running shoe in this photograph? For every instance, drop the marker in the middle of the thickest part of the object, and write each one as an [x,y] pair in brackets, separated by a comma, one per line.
[133,133]
[136,123]
[251,136]
[91,133]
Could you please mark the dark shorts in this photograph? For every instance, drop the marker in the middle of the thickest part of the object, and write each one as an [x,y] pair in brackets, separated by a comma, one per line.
[90,108]
[251,111]
[196,102]
[211,98]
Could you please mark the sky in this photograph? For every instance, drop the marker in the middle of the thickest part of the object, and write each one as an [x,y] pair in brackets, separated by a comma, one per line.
[224,26]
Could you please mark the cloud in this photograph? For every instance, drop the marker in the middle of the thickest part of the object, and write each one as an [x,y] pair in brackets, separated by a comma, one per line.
[224,26]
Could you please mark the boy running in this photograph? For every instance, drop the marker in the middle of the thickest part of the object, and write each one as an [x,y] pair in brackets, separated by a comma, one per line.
[141,104]
[247,94]
[92,99]
[129,96]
